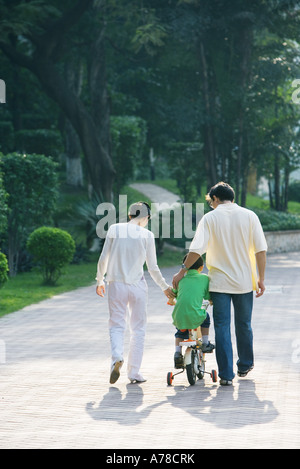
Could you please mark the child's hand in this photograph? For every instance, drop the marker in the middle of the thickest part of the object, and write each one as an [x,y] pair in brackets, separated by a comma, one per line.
[100,290]
[169,293]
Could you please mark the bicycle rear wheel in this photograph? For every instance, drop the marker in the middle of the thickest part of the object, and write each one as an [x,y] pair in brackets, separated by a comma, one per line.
[191,368]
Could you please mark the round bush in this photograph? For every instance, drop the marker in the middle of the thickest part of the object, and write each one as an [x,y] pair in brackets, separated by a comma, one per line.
[52,249]
[3,269]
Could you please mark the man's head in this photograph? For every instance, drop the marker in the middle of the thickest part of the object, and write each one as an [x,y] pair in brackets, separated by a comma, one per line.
[198,265]
[140,211]
[220,193]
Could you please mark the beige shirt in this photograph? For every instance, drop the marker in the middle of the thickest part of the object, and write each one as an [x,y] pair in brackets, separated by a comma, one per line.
[230,236]
[126,249]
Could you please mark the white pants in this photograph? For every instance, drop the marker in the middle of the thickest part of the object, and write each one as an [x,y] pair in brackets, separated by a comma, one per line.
[123,297]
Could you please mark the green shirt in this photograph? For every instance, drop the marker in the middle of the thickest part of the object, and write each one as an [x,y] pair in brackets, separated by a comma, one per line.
[193,289]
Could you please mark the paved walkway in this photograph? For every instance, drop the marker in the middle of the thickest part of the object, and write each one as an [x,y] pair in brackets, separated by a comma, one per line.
[155,193]
[54,389]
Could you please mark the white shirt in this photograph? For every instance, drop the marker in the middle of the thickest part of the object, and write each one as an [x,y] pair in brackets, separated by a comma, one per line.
[231,236]
[126,249]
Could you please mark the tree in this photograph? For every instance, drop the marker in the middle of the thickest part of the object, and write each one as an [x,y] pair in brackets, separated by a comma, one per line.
[228,39]
[31,183]
[128,140]
[35,37]
[3,269]
[3,205]
[185,162]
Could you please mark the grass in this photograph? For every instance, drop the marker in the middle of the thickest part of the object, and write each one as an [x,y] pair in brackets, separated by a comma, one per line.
[27,288]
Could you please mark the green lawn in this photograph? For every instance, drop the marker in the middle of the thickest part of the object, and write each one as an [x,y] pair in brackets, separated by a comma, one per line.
[27,288]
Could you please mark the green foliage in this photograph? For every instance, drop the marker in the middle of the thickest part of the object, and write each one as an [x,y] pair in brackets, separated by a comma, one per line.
[186,166]
[272,220]
[32,186]
[294,191]
[83,219]
[41,141]
[52,250]
[3,206]
[128,140]
[3,269]
[20,18]
[149,36]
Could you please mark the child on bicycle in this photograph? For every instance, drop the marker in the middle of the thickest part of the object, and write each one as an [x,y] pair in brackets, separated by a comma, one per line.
[188,312]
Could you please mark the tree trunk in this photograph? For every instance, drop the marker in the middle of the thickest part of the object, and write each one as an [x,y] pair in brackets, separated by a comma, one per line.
[74,174]
[98,160]
[286,184]
[246,48]
[209,143]
[277,182]
[271,195]
[100,103]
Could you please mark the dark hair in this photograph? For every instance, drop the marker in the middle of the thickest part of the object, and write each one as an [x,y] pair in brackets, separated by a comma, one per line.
[139,210]
[197,264]
[222,190]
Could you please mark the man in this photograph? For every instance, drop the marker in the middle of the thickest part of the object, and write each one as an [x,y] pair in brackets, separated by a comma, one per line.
[127,247]
[234,243]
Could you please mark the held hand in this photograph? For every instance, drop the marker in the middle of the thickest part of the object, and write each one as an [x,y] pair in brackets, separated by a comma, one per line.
[100,290]
[177,278]
[169,293]
[261,288]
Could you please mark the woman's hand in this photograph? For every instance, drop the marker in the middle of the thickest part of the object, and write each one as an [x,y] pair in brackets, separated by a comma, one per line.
[100,290]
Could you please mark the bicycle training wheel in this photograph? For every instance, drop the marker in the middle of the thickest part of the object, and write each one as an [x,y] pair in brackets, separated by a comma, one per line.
[170,378]
[201,365]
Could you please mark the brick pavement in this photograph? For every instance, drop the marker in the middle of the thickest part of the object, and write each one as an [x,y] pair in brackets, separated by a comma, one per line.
[54,390]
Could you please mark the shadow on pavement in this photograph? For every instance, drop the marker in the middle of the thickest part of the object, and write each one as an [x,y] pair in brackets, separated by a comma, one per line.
[225,407]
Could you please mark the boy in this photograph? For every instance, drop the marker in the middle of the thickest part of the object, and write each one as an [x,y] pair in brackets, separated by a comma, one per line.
[127,247]
[188,312]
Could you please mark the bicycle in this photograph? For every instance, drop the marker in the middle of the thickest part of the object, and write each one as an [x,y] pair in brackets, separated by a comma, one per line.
[194,358]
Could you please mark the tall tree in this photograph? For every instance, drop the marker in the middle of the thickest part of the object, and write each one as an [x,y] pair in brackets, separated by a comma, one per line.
[35,38]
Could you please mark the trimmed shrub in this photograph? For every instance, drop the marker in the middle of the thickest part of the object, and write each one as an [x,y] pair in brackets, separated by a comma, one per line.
[52,249]
[3,269]
[272,220]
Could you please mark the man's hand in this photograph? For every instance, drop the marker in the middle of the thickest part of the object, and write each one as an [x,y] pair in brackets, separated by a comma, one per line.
[177,278]
[100,290]
[261,288]
[169,293]
[261,259]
